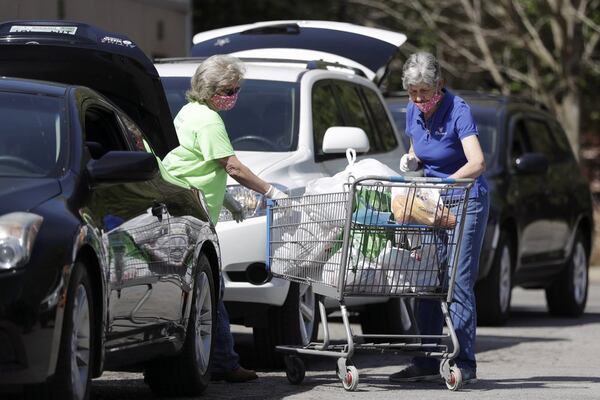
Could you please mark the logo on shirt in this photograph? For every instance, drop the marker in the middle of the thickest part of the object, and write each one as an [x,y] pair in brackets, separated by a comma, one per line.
[439,131]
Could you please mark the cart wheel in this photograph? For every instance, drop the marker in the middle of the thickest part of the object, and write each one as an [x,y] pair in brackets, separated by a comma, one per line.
[445,367]
[350,380]
[454,381]
[294,370]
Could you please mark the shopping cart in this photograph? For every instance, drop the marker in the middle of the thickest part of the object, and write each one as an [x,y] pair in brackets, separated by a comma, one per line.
[382,236]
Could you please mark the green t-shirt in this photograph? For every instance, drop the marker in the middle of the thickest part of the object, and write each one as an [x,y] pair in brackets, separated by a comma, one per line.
[202,141]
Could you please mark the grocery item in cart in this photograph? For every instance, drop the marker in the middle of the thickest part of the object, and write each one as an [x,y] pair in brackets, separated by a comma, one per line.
[410,270]
[421,206]
[307,240]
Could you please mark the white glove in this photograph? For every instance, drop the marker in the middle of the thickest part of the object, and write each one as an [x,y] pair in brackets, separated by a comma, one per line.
[275,194]
[409,162]
[234,207]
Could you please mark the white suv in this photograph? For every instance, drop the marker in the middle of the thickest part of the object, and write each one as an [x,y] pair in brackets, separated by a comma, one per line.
[292,93]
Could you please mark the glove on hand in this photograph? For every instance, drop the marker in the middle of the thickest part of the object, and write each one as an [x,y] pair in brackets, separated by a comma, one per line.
[234,207]
[409,162]
[275,194]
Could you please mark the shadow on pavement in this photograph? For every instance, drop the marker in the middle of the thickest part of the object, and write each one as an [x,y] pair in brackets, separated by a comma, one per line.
[266,387]
[521,318]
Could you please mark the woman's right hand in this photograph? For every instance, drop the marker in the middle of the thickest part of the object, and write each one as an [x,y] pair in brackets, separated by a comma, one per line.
[409,162]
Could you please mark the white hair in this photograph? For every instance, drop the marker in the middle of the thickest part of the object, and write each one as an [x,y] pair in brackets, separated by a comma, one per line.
[215,74]
[421,67]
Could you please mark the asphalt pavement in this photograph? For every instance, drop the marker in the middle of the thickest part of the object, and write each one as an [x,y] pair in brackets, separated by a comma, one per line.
[534,356]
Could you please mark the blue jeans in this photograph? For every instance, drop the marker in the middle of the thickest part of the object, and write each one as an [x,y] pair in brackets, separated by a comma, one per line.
[463,311]
[224,356]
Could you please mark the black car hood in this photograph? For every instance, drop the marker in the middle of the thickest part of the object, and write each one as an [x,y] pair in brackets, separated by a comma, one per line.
[81,54]
[18,194]
[371,48]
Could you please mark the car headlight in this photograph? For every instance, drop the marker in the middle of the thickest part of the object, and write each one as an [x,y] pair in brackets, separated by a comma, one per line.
[18,231]
[253,203]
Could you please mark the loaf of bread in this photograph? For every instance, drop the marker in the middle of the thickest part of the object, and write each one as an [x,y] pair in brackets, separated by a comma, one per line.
[410,209]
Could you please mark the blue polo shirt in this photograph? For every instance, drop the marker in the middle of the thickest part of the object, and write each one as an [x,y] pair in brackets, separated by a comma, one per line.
[437,140]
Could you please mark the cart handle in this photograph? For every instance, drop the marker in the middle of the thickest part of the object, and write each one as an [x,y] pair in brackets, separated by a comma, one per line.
[401,178]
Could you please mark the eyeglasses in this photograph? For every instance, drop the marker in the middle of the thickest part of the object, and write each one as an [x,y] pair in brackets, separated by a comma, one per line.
[231,91]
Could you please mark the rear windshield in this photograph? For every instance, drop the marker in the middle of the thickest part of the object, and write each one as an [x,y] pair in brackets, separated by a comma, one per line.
[265,117]
[32,136]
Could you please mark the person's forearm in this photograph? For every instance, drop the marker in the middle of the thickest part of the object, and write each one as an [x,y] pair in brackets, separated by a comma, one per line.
[245,177]
[472,169]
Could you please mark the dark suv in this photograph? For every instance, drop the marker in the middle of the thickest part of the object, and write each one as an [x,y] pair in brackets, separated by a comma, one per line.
[539,232]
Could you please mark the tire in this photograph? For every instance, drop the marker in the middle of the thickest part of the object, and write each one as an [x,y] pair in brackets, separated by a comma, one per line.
[72,379]
[393,317]
[296,322]
[188,373]
[567,296]
[493,293]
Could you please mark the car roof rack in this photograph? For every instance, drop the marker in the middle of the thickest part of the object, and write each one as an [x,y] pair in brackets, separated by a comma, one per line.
[312,64]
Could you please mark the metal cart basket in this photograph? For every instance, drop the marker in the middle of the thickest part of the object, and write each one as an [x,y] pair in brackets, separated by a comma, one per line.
[383,236]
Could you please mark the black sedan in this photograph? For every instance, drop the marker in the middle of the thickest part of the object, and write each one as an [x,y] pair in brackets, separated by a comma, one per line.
[106,262]
[539,233]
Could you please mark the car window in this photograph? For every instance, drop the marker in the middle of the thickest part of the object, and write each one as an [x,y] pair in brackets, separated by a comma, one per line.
[133,134]
[520,141]
[353,110]
[541,139]
[325,114]
[564,151]
[103,133]
[265,116]
[486,120]
[33,135]
[399,115]
[383,127]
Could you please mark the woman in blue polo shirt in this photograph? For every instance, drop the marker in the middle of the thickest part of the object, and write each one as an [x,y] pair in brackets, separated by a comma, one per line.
[444,140]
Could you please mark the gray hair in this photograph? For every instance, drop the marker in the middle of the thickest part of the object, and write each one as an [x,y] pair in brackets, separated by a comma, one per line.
[213,75]
[421,67]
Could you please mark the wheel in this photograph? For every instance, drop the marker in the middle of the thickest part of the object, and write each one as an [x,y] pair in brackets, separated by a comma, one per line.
[393,317]
[454,382]
[567,296]
[350,380]
[187,374]
[493,293]
[294,323]
[72,379]
[294,369]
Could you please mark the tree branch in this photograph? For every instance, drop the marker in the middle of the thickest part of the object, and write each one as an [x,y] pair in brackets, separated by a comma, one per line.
[539,48]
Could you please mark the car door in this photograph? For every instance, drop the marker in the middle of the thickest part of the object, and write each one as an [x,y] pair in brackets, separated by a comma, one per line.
[343,103]
[554,226]
[130,221]
[187,224]
[533,195]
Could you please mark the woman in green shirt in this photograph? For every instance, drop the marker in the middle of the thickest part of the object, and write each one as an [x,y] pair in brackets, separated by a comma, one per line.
[204,158]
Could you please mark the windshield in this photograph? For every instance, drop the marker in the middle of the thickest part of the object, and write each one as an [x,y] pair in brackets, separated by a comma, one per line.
[265,117]
[484,118]
[32,134]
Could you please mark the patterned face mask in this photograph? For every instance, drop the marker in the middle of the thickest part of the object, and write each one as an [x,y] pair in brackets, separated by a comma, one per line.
[430,104]
[223,102]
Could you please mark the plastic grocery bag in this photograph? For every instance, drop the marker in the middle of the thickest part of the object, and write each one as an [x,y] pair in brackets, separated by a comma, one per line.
[410,270]
[354,170]
[362,276]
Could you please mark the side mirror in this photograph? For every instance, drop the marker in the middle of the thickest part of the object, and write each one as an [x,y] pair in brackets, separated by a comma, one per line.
[531,163]
[338,139]
[123,166]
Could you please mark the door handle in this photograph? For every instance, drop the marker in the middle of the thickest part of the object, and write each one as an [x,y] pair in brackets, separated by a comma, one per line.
[158,209]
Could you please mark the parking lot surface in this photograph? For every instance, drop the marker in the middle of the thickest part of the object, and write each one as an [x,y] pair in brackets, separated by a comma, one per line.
[534,357]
